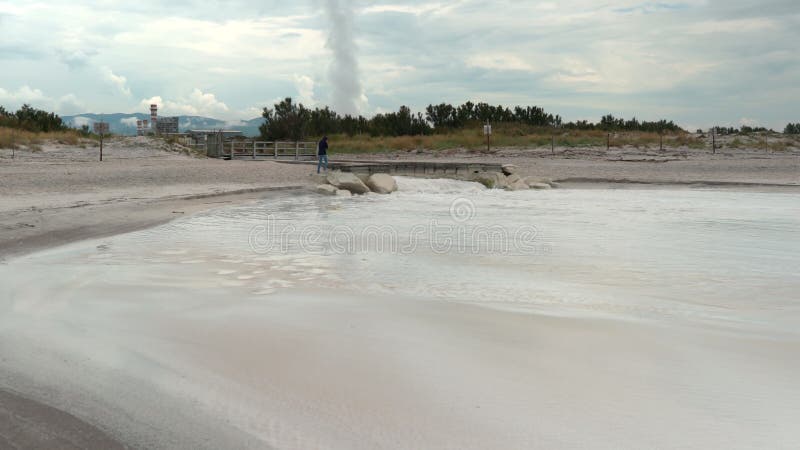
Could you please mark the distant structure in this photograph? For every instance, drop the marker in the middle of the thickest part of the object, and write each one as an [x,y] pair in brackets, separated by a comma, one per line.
[157,125]
[142,126]
[167,125]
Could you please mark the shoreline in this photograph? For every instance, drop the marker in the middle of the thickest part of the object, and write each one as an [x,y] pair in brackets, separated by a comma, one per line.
[60,226]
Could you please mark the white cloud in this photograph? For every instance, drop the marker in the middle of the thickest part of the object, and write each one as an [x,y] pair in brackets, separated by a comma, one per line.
[129,121]
[197,103]
[80,121]
[118,81]
[305,89]
[24,94]
[500,61]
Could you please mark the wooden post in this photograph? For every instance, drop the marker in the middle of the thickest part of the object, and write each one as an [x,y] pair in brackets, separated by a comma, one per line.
[101,146]
[254,149]
[296,150]
[714,141]
[553,145]
[661,136]
[276,149]
[608,142]
[488,143]
[766,142]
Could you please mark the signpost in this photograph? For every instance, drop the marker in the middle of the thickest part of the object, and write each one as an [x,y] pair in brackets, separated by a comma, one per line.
[100,128]
[487,131]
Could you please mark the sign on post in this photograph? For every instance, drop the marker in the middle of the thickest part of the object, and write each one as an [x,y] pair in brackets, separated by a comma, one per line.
[100,128]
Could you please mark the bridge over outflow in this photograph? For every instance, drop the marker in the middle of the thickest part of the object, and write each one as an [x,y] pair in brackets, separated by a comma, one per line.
[409,168]
[305,153]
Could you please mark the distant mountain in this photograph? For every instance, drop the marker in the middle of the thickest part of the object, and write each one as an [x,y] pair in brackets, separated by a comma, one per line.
[125,124]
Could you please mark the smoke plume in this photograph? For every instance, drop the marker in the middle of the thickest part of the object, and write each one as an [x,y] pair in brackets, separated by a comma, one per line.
[343,71]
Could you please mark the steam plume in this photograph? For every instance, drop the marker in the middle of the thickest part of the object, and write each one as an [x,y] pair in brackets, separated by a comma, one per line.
[343,72]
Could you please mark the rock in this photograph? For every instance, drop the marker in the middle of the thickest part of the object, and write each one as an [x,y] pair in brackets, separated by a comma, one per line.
[492,180]
[382,183]
[343,193]
[317,178]
[515,183]
[363,177]
[539,186]
[348,181]
[325,189]
[537,180]
[509,169]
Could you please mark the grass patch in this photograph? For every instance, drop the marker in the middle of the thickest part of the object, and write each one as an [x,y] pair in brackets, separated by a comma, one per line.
[509,136]
[14,138]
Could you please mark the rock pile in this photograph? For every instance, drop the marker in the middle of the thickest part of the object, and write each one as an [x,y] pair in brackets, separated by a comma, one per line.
[346,184]
[509,180]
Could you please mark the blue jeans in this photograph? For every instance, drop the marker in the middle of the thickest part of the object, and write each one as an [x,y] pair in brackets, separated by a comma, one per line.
[323,159]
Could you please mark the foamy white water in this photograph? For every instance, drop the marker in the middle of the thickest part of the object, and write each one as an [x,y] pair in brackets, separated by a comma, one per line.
[442,316]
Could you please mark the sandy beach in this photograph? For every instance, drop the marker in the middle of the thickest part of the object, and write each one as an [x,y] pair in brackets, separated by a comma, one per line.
[277,370]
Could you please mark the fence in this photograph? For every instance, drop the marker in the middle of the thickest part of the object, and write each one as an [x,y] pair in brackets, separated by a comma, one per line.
[270,149]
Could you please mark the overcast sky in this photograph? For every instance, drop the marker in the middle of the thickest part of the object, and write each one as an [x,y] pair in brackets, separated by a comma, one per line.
[699,62]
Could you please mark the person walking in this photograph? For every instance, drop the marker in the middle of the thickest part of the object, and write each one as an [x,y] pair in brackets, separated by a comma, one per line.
[322,153]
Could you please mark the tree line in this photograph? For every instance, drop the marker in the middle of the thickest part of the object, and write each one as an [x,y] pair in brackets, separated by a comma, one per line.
[792,128]
[31,119]
[288,120]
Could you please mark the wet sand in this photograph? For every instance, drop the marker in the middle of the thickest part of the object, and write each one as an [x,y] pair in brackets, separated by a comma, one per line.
[51,201]
[27,424]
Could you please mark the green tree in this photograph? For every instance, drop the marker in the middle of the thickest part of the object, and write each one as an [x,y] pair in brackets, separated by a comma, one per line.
[287,121]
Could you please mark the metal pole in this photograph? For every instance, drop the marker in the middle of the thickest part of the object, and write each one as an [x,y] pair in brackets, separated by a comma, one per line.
[254,149]
[101,146]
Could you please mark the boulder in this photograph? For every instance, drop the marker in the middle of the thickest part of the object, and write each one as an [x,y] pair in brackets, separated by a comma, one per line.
[343,193]
[509,169]
[382,183]
[348,181]
[515,183]
[537,180]
[325,189]
[492,180]
[539,186]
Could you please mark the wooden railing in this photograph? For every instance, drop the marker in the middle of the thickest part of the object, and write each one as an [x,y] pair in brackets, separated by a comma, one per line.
[270,149]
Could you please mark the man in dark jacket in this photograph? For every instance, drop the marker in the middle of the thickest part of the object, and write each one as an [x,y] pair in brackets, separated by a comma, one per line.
[322,153]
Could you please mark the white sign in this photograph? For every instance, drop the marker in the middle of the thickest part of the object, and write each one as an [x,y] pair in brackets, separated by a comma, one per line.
[487,129]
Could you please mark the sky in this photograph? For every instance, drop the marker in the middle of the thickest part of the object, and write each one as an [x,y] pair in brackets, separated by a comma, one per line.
[698,62]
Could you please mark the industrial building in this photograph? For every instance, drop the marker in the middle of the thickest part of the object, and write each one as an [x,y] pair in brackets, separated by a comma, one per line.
[157,125]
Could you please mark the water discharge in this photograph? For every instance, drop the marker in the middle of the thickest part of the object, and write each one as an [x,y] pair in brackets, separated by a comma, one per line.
[444,314]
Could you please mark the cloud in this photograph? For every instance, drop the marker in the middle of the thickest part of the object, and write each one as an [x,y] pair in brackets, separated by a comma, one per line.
[118,81]
[700,62]
[129,121]
[24,94]
[197,103]
[75,59]
[80,121]
[305,89]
